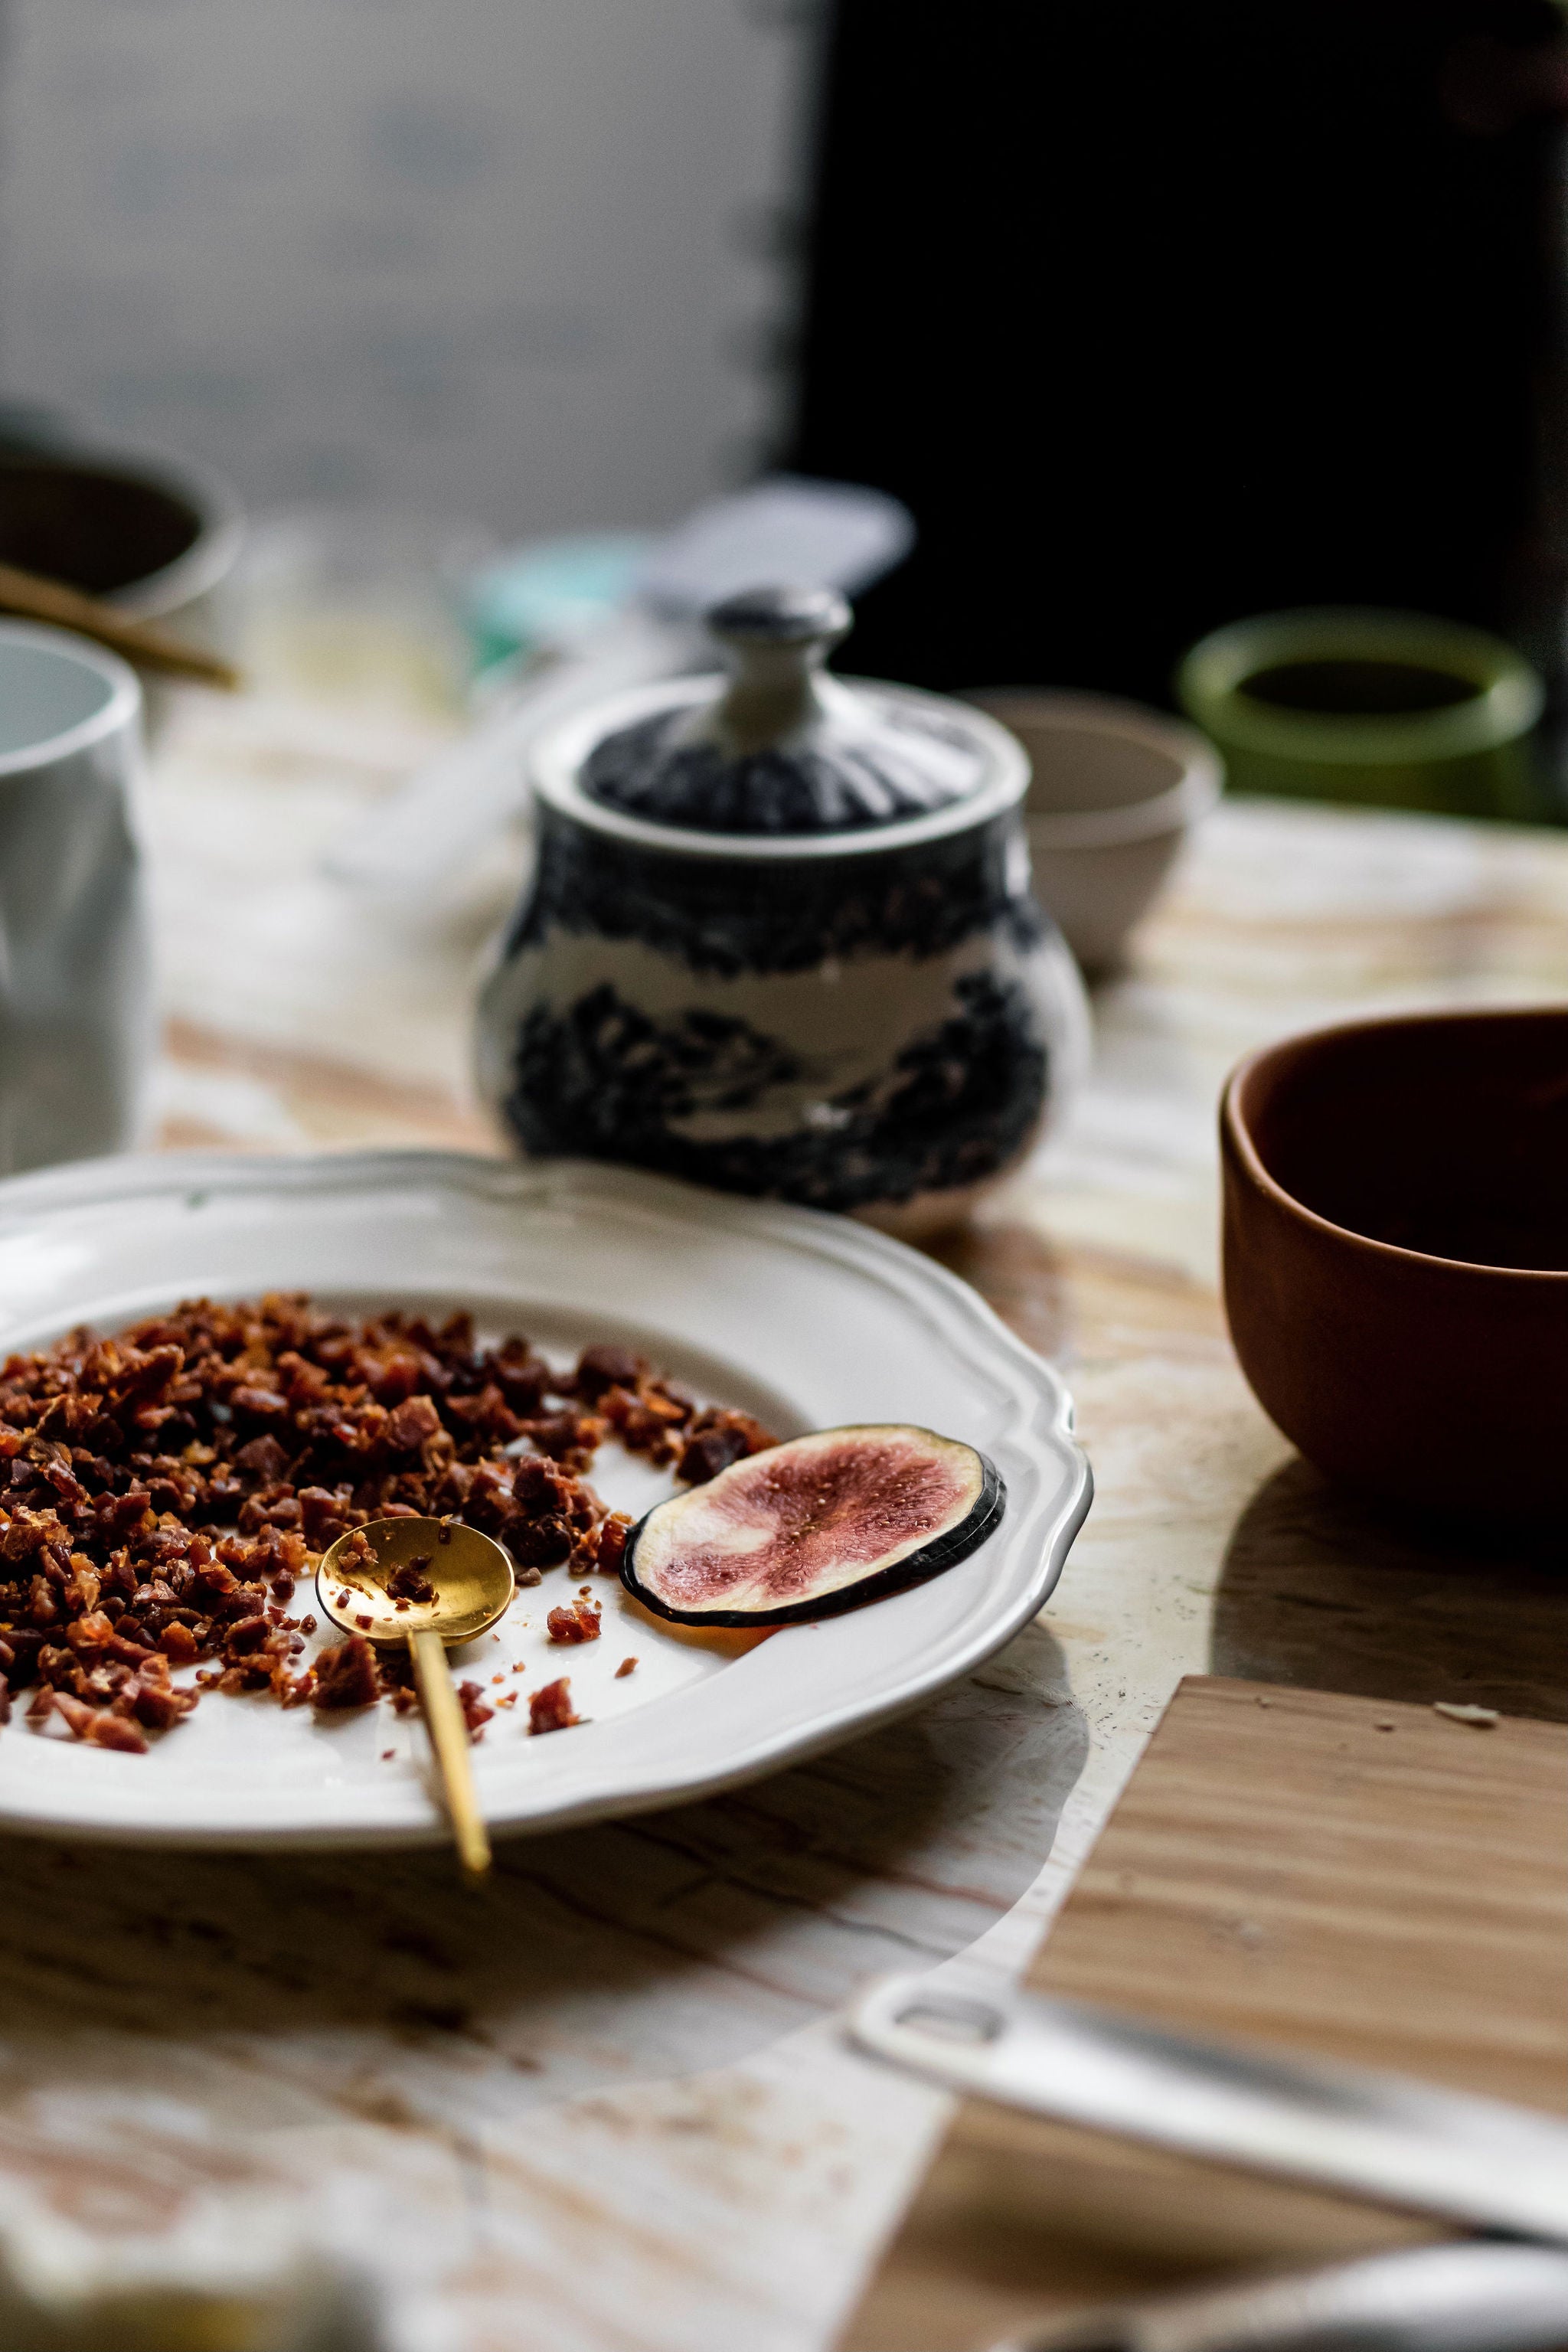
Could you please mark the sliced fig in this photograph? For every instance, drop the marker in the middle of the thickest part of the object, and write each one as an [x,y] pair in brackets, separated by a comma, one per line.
[814,1527]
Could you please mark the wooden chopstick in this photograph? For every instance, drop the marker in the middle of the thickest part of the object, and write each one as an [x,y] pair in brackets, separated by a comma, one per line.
[31,597]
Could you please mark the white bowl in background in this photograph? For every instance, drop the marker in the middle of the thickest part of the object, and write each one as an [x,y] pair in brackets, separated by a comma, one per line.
[1115,789]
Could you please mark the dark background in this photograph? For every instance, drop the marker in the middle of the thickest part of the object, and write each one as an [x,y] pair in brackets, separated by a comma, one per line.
[1158,315]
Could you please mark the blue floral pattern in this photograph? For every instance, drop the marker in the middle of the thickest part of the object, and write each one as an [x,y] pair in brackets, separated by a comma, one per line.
[601,1080]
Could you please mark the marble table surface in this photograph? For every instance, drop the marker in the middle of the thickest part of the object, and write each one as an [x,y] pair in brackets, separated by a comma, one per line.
[606,2106]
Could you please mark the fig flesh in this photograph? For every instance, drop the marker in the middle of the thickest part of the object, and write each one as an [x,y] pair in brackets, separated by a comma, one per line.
[814,1527]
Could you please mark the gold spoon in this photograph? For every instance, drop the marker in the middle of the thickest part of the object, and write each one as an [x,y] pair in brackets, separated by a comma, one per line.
[474,1584]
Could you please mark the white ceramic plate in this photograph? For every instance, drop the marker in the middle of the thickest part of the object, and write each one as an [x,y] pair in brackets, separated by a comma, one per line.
[806,1320]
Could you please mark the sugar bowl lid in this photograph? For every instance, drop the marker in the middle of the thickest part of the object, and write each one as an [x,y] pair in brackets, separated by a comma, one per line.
[782,748]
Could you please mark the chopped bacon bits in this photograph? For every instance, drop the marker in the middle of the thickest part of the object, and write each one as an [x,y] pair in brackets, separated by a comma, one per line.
[627,1667]
[580,1622]
[477,1710]
[610,1544]
[551,1709]
[718,1438]
[93,1633]
[264,1458]
[346,1676]
[152,1699]
[104,1731]
[540,1543]
[108,1730]
[644,1411]
[165,1491]
[603,1368]
[566,1436]
[410,1423]
[410,1582]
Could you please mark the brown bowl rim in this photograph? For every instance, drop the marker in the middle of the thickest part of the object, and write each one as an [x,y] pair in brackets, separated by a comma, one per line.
[1236,1129]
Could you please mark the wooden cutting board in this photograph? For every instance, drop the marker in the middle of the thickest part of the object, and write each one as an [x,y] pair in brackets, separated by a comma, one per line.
[1362,1879]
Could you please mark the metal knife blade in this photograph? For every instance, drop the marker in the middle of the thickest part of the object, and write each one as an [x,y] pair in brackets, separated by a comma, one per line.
[1380,2136]
[1474,2295]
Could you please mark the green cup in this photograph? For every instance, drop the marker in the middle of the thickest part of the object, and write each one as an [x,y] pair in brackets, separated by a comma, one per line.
[1395,710]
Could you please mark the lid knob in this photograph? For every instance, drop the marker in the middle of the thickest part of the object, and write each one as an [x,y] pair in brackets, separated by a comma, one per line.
[776,640]
[781,616]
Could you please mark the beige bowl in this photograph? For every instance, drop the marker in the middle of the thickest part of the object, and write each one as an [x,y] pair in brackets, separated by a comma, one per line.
[156,535]
[1116,788]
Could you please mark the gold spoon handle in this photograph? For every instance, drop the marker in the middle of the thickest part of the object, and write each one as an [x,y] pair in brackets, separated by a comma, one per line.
[450,1739]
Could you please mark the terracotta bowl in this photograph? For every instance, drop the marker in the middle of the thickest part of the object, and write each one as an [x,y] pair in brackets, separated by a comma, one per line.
[1396,1255]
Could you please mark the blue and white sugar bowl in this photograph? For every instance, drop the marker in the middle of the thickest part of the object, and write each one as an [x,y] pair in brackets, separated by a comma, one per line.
[779,937]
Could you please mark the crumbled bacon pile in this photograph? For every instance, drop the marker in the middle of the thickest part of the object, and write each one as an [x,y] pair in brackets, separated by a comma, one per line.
[162,1493]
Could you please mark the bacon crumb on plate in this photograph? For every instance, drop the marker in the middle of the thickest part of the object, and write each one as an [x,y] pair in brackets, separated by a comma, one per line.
[477,1712]
[580,1622]
[346,1676]
[551,1709]
[717,1438]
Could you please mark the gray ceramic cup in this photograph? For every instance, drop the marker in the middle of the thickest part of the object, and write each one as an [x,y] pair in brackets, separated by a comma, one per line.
[1115,790]
[75,988]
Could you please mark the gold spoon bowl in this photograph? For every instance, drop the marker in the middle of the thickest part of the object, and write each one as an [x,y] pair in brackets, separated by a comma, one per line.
[472,1585]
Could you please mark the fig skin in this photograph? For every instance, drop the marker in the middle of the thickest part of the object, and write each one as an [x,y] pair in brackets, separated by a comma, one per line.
[917,1567]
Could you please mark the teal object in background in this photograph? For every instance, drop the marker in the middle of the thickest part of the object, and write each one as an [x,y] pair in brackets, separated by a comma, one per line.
[1394,709]
[550,592]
